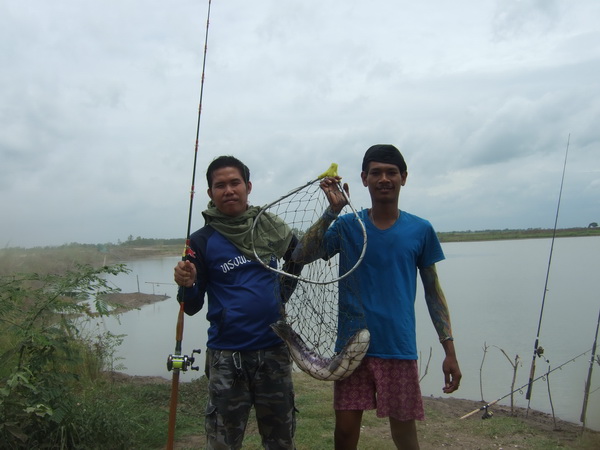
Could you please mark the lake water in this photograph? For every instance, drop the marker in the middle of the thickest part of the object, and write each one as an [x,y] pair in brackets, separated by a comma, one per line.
[494,290]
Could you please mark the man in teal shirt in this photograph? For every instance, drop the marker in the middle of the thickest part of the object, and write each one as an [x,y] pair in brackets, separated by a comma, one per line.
[380,295]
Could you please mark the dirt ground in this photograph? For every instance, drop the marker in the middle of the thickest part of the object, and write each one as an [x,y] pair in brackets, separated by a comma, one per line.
[445,416]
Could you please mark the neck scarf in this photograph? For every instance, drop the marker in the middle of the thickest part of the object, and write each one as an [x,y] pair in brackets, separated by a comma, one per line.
[272,235]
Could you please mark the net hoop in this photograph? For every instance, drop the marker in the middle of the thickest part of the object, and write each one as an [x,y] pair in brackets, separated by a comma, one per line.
[278,270]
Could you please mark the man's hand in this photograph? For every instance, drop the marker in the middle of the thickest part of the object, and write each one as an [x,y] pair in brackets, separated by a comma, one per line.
[336,198]
[452,374]
[185,274]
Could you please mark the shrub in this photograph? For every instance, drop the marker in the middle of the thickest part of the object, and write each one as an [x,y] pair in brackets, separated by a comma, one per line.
[47,358]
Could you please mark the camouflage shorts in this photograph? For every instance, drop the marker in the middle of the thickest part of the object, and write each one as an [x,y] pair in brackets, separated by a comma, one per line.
[240,380]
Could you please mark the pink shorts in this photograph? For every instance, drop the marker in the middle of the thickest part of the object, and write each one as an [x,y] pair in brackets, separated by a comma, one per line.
[389,385]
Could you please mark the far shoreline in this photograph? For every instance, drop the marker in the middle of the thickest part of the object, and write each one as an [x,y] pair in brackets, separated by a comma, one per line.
[59,259]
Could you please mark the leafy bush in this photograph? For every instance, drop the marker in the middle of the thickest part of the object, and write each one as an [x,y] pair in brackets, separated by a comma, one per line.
[48,359]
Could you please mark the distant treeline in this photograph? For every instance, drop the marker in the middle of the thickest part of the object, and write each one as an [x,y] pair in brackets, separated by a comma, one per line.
[170,245]
[444,236]
[530,233]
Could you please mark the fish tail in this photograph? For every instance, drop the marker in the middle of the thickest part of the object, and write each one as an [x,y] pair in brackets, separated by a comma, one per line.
[317,366]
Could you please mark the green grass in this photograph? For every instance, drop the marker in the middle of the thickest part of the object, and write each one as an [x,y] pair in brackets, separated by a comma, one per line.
[315,419]
[142,410]
[315,425]
[136,416]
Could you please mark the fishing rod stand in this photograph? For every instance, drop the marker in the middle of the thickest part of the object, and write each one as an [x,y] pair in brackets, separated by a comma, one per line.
[182,362]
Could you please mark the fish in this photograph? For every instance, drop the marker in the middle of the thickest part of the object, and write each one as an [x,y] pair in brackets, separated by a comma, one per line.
[317,366]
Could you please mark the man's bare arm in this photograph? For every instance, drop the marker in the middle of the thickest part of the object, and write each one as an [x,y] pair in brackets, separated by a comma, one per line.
[310,248]
[440,316]
[436,302]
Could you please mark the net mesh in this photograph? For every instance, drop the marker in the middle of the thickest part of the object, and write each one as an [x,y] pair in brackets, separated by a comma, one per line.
[311,304]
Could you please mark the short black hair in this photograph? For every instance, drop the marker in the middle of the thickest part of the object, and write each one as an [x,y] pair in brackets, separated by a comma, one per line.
[384,153]
[227,161]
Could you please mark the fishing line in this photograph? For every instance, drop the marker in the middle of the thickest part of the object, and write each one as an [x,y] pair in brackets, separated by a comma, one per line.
[176,362]
[187,249]
[537,349]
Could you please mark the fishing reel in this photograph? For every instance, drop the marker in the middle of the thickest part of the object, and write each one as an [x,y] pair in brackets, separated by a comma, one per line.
[182,362]
[487,414]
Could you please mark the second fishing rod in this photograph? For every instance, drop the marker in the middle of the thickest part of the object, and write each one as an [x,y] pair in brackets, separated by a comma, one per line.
[538,350]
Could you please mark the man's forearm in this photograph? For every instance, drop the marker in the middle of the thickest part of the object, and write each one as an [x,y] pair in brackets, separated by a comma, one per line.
[310,248]
[436,304]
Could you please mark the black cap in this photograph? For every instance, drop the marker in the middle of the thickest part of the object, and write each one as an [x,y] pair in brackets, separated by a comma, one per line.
[384,153]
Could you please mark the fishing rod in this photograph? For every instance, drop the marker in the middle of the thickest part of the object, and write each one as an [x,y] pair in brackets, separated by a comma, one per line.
[588,383]
[177,362]
[537,349]
[486,406]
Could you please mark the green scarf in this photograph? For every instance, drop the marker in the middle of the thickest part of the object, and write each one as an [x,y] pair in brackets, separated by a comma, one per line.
[272,235]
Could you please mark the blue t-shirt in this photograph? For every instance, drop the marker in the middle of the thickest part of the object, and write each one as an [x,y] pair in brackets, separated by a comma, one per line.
[243,296]
[380,293]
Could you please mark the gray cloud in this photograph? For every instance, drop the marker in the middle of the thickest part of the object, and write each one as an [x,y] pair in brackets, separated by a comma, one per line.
[99,102]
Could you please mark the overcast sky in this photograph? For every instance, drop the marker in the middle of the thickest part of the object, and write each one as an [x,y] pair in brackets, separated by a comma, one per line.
[99,103]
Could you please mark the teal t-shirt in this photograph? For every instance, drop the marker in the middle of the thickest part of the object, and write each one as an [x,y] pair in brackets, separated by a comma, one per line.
[380,293]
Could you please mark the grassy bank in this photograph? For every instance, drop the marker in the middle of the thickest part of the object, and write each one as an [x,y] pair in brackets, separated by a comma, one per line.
[315,421]
[58,259]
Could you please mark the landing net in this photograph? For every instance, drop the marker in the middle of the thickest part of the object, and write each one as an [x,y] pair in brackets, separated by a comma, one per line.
[310,304]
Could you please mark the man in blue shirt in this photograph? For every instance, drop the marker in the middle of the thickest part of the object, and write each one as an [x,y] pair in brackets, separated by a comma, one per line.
[380,296]
[247,363]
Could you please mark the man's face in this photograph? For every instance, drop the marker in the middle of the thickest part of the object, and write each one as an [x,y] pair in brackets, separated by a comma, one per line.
[384,181]
[229,192]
